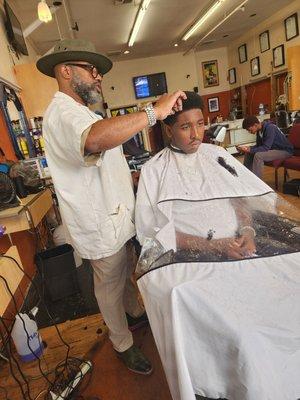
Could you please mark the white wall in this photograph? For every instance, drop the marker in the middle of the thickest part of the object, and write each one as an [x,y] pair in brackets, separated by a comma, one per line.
[182,72]
[176,66]
[275,25]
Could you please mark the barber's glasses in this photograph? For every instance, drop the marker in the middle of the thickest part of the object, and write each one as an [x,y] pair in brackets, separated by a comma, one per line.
[89,67]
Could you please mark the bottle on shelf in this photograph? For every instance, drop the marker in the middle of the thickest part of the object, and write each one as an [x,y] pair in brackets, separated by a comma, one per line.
[23,145]
[36,141]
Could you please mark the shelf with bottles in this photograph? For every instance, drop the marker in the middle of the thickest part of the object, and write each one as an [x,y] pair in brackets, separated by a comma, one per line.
[236,108]
[35,130]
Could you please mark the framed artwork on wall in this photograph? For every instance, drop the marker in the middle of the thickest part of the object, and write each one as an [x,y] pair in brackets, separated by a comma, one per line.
[213,104]
[210,73]
[264,41]
[243,53]
[278,56]
[255,66]
[291,26]
[232,75]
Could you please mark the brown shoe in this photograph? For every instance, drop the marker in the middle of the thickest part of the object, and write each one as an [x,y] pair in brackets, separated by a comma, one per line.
[135,360]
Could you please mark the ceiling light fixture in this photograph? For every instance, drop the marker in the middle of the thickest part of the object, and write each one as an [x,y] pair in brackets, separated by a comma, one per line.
[44,12]
[138,21]
[126,52]
[193,47]
[202,19]
[176,44]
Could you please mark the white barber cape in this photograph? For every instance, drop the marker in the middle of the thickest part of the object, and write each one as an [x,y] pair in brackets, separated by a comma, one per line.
[224,328]
[95,197]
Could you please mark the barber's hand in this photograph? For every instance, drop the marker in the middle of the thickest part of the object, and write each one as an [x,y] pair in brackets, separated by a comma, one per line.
[168,104]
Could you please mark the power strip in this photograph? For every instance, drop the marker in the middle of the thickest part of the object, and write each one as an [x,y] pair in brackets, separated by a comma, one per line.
[84,368]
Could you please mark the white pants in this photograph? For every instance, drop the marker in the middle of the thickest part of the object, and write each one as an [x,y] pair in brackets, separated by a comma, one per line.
[116,293]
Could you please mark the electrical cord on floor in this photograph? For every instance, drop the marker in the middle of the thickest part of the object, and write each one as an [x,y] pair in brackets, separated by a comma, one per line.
[41,300]
[69,374]
[40,394]
[25,329]
[59,384]
[2,388]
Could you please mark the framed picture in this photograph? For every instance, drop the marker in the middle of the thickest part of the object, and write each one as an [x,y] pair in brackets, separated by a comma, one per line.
[255,66]
[213,104]
[278,56]
[291,26]
[264,41]
[210,73]
[243,53]
[232,75]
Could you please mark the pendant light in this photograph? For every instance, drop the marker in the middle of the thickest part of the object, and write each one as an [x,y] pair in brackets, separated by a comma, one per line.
[44,12]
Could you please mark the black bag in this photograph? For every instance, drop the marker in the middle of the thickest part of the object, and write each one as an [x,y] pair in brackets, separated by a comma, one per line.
[292,187]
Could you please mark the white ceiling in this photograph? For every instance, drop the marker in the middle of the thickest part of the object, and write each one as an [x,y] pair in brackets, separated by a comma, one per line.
[109,25]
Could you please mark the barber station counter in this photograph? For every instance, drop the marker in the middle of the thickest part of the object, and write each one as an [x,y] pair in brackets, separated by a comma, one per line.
[21,223]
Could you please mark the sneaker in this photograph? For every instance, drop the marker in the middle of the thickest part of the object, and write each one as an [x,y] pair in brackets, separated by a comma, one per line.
[136,323]
[135,360]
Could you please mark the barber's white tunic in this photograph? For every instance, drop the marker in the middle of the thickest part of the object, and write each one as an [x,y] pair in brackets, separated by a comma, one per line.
[96,199]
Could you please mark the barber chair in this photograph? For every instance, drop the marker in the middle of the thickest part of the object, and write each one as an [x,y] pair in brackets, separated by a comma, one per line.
[135,163]
[294,161]
[276,164]
[216,134]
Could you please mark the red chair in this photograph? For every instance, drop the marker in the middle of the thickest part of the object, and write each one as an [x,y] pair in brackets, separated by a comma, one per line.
[276,164]
[294,161]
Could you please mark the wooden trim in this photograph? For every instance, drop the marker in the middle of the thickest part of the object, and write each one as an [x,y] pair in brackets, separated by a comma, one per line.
[13,275]
[30,212]
[10,85]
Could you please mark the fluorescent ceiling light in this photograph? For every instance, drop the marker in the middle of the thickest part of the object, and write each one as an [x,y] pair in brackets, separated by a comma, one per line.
[44,12]
[216,26]
[202,19]
[138,21]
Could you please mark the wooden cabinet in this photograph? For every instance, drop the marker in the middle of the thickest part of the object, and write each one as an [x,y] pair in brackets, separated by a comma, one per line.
[293,56]
[37,89]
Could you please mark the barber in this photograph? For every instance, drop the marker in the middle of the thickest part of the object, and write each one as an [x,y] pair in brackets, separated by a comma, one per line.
[271,144]
[93,182]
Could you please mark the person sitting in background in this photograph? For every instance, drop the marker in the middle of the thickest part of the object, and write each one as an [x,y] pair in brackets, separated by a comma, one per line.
[271,144]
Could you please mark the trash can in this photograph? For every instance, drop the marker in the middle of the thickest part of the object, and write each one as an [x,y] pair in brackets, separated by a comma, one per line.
[58,272]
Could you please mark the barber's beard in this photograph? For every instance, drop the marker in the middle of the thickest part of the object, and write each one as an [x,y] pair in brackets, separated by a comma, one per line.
[86,91]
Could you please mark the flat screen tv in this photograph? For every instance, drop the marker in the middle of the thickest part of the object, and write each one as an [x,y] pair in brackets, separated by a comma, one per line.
[14,31]
[150,85]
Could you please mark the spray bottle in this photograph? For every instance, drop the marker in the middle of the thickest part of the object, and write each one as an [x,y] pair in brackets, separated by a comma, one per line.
[27,340]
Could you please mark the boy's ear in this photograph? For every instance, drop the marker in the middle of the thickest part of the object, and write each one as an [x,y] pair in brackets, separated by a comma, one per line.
[168,131]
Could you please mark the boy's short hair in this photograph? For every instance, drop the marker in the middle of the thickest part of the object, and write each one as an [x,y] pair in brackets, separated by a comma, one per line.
[250,121]
[192,101]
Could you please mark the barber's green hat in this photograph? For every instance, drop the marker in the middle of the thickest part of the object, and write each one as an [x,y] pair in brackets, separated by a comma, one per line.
[73,50]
